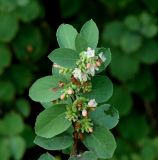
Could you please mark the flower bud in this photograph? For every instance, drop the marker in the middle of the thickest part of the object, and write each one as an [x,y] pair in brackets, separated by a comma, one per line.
[92,103]
[62,96]
[70,91]
[84,113]
[90,130]
[98,64]
[88,65]
[60,84]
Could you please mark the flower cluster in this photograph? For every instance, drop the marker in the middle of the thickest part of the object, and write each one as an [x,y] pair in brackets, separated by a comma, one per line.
[88,64]
[78,113]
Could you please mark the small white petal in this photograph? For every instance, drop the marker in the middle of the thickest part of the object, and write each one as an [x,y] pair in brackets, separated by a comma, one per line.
[89,53]
[77,73]
[84,77]
[92,103]
[102,57]
[91,70]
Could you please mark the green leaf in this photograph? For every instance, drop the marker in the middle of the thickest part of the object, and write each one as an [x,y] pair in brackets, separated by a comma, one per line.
[46,89]
[7,91]
[50,104]
[17,146]
[4,149]
[7,5]
[130,42]
[87,155]
[46,156]
[8,124]
[80,43]
[23,106]
[90,33]
[150,30]
[101,142]
[149,27]
[59,142]
[8,28]
[132,22]
[28,12]
[64,57]
[112,32]
[5,57]
[29,135]
[105,116]
[107,53]
[148,53]
[28,45]
[102,89]
[123,67]
[66,35]
[122,100]
[52,121]
[22,2]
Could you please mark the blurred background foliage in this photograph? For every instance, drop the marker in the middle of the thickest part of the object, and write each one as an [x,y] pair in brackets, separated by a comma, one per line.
[27,35]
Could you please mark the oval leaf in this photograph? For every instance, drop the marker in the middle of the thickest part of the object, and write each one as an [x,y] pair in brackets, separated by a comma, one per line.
[102,89]
[80,43]
[46,89]
[17,146]
[52,121]
[101,142]
[105,116]
[59,142]
[7,125]
[66,35]
[64,57]
[9,27]
[87,155]
[46,156]
[90,33]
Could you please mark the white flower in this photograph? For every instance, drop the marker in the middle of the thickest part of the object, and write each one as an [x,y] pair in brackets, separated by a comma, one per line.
[92,103]
[102,57]
[84,77]
[77,73]
[90,53]
[92,70]
[84,113]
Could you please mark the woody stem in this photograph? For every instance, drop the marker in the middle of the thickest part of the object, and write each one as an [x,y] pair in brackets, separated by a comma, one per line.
[75,144]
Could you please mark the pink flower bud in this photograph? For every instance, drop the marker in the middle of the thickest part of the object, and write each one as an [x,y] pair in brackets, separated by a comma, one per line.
[62,96]
[70,91]
[88,65]
[92,103]
[90,129]
[84,113]
[98,64]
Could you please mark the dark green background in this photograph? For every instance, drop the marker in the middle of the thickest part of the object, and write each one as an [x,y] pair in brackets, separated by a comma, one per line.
[128,27]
